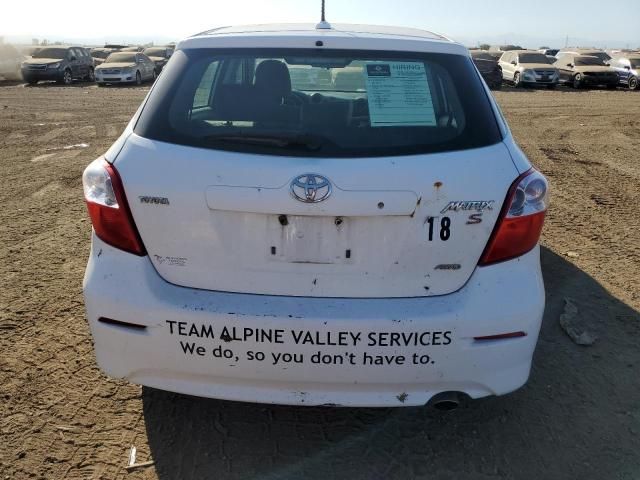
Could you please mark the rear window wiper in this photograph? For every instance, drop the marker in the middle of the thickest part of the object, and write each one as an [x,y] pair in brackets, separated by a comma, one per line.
[310,142]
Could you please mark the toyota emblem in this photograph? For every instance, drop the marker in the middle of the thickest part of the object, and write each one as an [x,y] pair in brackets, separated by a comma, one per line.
[310,188]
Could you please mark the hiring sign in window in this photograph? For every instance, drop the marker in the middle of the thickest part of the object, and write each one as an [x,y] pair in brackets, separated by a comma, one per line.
[398,94]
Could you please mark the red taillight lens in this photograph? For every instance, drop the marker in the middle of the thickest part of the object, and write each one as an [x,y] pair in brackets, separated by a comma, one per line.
[520,223]
[108,207]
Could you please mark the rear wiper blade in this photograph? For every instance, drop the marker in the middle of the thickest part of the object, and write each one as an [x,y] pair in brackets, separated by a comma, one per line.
[309,142]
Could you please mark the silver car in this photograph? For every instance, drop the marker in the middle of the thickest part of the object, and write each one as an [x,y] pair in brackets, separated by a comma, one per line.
[159,55]
[126,67]
[526,67]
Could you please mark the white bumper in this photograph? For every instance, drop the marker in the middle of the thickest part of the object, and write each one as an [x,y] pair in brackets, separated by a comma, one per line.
[115,77]
[363,360]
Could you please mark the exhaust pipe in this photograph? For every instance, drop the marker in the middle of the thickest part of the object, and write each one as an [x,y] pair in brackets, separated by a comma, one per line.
[445,401]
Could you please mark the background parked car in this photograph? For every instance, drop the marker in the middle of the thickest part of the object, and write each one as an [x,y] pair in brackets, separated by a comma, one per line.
[549,51]
[348,79]
[585,70]
[488,67]
[527,67]
[592,52]
[62,64]
[100,54]
[159,55]
[628,69]
[10,61]
[132,48]
[126,67]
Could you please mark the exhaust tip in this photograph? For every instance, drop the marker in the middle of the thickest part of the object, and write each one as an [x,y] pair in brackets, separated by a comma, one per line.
[446,401]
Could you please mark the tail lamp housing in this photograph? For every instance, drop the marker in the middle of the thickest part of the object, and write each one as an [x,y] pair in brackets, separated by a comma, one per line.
[108,207]
[518,228]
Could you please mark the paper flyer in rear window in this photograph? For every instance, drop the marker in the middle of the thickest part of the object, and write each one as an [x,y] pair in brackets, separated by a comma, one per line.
[399,95]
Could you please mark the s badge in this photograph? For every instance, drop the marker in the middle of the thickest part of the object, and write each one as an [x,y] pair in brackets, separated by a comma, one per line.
[474,219]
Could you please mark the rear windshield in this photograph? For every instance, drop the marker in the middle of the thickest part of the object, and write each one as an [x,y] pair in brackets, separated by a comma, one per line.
[123,57]
[155,52]
[320,103]
[604,56]
[50,53]
[533,58]
[587,60]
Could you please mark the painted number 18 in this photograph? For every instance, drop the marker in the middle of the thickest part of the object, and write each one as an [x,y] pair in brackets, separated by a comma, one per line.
[445,228]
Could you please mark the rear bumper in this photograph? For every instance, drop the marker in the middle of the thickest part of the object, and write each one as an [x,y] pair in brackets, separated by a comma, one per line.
[502,298]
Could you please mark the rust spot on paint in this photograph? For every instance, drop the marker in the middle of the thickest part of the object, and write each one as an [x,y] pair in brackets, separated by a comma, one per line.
[438,184]
[402,397]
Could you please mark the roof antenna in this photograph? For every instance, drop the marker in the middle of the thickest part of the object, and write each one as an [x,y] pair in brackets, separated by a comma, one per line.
[323,25]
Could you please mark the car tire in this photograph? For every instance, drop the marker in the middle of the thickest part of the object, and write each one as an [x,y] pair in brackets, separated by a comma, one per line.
[516,80]
[67,78]
[633,83]
[138,78]
[551,87]
[91,76]
[577,81]
[155,75]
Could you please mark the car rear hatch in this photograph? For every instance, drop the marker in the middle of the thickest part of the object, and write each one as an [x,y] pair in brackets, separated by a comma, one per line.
[407,174]
[392,227]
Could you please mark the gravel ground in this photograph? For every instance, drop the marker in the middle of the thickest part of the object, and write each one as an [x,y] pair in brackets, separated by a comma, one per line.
[578,417]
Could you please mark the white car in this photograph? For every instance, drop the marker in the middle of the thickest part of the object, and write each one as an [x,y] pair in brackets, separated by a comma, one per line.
[263,240]
[126,67]
[526,67]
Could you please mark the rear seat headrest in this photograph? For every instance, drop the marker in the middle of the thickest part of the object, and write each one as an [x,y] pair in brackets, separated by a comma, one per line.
[272,77]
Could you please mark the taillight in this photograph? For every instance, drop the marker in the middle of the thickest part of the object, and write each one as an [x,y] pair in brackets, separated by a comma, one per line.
[520,223]
[108,208]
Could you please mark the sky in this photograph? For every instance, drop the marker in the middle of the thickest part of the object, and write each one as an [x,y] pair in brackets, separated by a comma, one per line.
[531,24]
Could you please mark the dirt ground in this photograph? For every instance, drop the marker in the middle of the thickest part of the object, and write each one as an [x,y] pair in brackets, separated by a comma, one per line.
[578,417]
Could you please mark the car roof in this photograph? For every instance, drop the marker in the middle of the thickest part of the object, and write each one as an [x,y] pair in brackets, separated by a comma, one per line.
[62,47]
[580,50]
[340,36]
[629,56]
[125,53]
